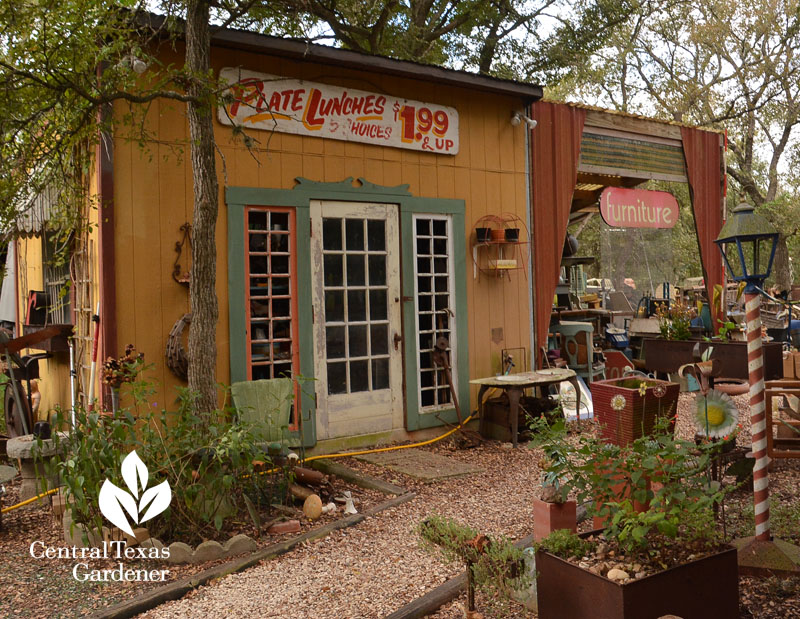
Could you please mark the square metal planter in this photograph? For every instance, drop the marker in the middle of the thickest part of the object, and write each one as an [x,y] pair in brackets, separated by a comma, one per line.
[637,417]
[706,588]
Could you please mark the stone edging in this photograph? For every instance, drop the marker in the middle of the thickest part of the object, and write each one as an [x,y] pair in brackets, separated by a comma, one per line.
[179,588]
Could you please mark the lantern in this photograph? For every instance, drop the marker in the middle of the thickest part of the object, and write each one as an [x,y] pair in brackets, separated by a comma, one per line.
[747,242]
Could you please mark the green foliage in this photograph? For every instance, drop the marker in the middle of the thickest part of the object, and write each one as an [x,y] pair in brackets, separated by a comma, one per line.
[90,453]
[208,461]
[613,478]
[674,322]
[565,544]
[496,564]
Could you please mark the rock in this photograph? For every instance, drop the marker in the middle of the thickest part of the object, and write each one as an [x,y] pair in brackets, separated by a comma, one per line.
[617,574]
[180,553]
[641,575]
[550,494]
[636,567]
[506,445]
[595,569]
[288,526]
[312,507]
[152,542]
[239,544]
[584,565]
[207,551]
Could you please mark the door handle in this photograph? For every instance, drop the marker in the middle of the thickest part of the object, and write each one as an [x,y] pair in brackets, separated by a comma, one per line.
[397,339]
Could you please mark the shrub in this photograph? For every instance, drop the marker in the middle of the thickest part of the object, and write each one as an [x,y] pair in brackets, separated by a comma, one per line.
[209,462]
[611,478]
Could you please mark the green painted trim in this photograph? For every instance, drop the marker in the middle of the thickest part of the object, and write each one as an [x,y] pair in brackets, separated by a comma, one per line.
[346,186]
[455,208]
[305,324]
[237,320]
[300,197]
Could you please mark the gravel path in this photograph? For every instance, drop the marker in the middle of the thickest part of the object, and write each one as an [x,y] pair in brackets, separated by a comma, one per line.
[376,567]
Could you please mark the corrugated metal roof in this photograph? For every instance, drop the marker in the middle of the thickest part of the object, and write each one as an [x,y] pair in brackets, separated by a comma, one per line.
[36,213]
[663,121]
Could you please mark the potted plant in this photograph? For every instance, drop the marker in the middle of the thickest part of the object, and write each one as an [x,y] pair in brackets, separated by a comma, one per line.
[676,346]
[553,511]
[627,407]
[668,559]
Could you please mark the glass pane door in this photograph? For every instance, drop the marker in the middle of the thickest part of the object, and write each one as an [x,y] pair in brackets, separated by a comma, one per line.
[356,310]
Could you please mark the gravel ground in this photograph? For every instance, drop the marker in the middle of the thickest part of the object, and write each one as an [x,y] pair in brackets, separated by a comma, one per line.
[376,567]
[32,587]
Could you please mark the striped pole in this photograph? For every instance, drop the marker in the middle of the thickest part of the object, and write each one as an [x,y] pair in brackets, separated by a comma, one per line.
[755,366]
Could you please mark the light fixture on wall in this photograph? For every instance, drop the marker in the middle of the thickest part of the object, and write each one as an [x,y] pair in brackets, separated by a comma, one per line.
[518,117]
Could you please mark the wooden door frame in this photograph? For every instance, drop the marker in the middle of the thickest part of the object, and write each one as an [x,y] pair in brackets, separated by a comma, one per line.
[299,197]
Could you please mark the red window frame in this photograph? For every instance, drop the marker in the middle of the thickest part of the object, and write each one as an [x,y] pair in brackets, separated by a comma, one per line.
[270,341]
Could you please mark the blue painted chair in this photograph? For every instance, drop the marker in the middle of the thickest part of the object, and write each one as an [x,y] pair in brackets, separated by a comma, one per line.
[578,349]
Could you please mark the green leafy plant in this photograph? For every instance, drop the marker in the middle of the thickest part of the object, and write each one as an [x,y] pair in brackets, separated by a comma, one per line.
[565,544]
[644,489]
[211,463]
[497,566]
[674,321]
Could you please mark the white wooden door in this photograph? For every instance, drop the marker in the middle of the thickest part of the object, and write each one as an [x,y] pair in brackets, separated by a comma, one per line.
[357,326]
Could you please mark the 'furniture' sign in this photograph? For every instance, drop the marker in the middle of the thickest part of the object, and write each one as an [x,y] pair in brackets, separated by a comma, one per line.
[638,208]
[274,103]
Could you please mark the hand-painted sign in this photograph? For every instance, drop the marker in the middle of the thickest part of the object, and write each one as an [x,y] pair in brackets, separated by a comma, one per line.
[286,105]
[638,208]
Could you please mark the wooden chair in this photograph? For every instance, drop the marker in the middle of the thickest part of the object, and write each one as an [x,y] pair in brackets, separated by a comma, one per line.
[266,406]
[782,441]
[577,348]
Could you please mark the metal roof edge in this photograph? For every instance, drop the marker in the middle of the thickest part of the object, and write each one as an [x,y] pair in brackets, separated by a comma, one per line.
[311,52]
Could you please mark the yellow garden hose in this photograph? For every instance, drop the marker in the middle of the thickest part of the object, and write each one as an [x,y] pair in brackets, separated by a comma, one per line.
[319,457]
[372,451]
[30,500]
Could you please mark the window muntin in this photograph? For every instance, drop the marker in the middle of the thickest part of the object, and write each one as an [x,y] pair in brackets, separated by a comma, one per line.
[355,289]
[434,286]
[271,284]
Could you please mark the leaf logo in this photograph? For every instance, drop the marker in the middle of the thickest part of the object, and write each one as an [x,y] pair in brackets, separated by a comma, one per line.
[114,502]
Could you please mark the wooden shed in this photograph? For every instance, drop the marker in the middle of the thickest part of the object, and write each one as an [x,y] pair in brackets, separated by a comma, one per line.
[350,235]
[345,237]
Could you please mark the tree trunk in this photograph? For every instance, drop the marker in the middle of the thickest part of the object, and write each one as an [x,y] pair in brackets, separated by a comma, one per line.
[205,311]
[782,269]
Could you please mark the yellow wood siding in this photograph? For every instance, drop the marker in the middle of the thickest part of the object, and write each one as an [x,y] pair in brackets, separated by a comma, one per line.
[153,198]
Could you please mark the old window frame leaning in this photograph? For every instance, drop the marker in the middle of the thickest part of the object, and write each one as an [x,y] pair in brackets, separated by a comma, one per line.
[426,337]
[270,342]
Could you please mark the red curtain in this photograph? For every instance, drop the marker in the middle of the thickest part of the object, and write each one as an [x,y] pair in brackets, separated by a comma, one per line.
[704,169]
[555,148]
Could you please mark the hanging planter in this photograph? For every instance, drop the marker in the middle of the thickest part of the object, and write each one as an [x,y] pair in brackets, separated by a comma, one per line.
[483,235]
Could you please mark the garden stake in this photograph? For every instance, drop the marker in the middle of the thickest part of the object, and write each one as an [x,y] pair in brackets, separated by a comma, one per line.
[93,367]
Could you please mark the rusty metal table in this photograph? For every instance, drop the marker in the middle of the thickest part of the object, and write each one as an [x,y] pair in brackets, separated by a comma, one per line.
[515,385]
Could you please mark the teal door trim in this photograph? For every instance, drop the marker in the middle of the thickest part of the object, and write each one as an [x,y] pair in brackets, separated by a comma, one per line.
[237,198]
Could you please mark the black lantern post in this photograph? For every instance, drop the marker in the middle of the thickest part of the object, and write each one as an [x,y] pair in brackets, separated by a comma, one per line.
[747,242]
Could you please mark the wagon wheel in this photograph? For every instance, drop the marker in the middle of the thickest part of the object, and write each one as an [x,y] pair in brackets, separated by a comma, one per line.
[14,425]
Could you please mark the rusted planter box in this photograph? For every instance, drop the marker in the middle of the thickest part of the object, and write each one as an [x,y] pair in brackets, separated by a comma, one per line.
[706,588]
[638,416]
[668,355]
